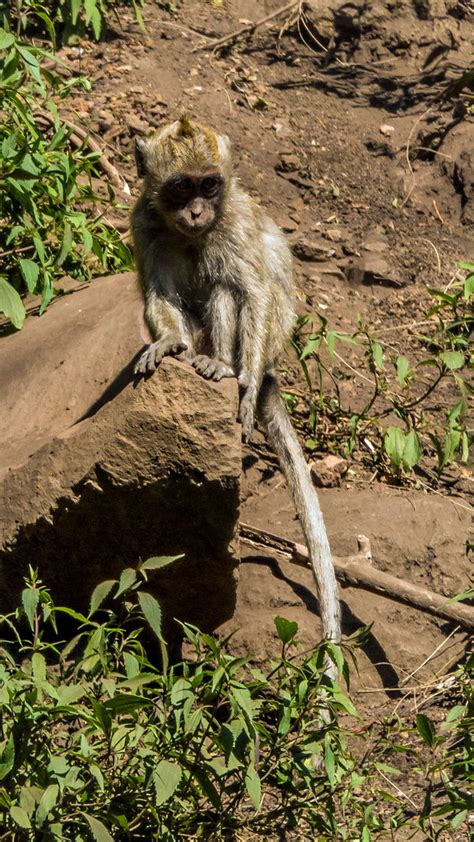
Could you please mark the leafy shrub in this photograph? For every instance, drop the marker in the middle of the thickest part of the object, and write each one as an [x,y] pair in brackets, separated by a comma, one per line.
[50,223]
[97,743]
[397,386]
[71,18]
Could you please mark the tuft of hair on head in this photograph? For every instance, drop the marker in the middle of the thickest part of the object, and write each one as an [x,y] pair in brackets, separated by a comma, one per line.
[186,128]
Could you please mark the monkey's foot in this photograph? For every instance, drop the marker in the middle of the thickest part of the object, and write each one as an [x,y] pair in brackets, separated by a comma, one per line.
[247,414]
[211,368]
[152,356]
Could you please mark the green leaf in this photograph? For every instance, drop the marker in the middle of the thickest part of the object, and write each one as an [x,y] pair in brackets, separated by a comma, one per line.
[411,450]
[6,39]
[403,371]
[394,443]
[453,359]
[48,800]
[66,245]
[128,577]
[469,287]
[75,7]
[426,729]
[100,593]
[166,778]
[30,271]
[156,562]
[7,758]
[377,353]
[253,785]
[11,303]
[286,629]
[38,667]
[99,831]
[329,760]
[344,701]
[20,817]
[151,611]
[30,600]
[244,700]
[458,819]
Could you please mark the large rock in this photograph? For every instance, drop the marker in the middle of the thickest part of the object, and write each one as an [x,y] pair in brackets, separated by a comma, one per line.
[98,471]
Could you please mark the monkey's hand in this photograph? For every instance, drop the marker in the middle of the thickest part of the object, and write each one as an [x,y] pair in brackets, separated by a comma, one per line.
[246,416]
[170,346]
[211,368]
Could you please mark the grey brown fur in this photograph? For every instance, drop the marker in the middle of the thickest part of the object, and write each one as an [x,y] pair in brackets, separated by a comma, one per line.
[216,275]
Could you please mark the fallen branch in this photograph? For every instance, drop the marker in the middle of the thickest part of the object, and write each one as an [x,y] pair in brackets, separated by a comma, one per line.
[250,27]
[357,571]
[78,137]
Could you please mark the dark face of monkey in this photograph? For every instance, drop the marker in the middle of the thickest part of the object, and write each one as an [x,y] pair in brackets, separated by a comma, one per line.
[186,168]
[192,200]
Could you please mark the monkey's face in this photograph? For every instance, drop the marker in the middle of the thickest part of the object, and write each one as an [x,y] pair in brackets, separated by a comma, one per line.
[192,201]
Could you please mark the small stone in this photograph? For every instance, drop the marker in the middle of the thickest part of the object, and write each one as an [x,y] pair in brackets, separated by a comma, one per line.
[312,250]
[329,471]
[287,224]
[386,129]
[334,234]
[136,124]
[289,162]
[372,268]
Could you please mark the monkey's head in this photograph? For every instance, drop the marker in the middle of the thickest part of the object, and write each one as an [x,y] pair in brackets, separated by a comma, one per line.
[186,168]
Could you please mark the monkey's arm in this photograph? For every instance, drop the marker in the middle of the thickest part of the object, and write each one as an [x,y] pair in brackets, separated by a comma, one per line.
[221,323]
[163,312]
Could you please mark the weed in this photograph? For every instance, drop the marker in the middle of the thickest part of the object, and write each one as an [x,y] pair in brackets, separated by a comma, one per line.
[397,386]
[51,222]
[97,742]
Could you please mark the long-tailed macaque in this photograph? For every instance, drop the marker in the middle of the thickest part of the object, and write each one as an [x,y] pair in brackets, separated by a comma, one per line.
[216,275]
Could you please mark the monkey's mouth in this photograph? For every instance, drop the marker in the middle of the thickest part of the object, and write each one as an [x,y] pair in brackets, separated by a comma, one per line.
[193,230]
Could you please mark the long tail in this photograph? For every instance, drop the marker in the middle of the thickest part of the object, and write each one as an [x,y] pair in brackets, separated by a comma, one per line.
[283,439]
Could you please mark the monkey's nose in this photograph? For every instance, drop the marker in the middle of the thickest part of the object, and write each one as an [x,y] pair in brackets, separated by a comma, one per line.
[196,208]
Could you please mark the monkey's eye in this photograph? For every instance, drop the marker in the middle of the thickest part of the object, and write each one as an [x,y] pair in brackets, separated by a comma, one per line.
[210,185]
[183,186]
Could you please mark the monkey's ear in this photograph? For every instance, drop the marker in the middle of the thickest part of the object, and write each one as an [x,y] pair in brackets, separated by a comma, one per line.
[225,150]
[141,147]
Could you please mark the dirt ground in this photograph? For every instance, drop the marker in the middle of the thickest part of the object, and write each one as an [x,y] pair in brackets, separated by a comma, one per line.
[322,116]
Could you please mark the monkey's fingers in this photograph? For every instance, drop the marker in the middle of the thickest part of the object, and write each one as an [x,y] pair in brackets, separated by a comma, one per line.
[246,416]
[176,349]
[148,360]
[211,368]
[153,355]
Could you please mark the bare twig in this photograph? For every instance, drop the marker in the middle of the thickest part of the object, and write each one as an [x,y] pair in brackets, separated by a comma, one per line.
[16,251]
[438,259]
[244,30]
[431,656]
[78,137]
[357,571]
[437,213]
[407,154]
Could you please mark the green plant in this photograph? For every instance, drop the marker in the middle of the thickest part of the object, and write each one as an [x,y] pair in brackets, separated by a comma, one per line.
[51,221]
[97,743]
[70,18]
[397,386]
[448,769]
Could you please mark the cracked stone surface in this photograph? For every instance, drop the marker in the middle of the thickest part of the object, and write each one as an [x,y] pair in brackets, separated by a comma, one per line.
[98,470]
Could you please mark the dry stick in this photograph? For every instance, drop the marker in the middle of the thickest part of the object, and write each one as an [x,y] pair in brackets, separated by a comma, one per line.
[356,571]
[78,136]
[250,27]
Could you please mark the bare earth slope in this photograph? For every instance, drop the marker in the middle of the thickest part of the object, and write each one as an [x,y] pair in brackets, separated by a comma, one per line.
[320,133]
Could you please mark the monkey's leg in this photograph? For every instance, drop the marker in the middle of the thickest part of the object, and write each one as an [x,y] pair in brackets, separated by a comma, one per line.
[252,334]
[285,443]
[221,321]
[167,323]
